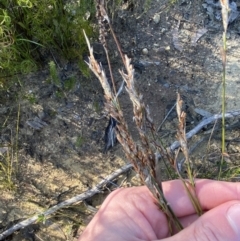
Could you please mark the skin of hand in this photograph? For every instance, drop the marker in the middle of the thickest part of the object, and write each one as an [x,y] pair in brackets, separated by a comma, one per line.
[129,214]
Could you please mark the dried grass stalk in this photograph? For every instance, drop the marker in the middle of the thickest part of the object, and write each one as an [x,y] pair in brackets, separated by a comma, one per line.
[189,185]
[140,155]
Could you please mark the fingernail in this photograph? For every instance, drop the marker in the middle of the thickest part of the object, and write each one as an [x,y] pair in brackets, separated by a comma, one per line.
[233,216]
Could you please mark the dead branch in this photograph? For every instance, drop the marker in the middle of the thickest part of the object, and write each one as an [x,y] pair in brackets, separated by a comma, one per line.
[78,198]
[204,122]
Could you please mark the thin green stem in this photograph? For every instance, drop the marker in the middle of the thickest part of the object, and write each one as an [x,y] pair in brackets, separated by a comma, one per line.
[223,100]
[17,132]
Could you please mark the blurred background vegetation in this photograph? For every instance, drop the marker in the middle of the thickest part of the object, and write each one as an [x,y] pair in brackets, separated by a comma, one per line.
[33,31]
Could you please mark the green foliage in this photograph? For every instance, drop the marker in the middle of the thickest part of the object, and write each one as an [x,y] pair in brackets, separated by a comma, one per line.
[9,158]
[63,86]
[31,98]
[41,219]
[231,173]
[147,4]
[54,74]
[172,2]
[59,94]
[80,141]
[6,171]
[96,106]
[32,30]
[69,83]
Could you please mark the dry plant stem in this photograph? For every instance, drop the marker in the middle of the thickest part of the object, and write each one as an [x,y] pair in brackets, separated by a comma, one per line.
[140,112]
[116,41]
[141,156]
[110,70]
[113,108]
[204,122]
[10,158]
[192,196]
[211,134]
[169,112]
[78,198]
[17,131]
[225,9]
[190,189]
[191,149]
[102,16]
[167,209]
[181,136]
[10,166]
[209,140]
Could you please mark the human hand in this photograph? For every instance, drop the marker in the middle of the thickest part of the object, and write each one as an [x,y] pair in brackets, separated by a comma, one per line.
[130,215]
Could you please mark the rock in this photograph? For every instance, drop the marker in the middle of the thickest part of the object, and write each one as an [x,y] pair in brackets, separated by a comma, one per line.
[167,85]
[156,18]
[36,123]
[163,30]
[145,51]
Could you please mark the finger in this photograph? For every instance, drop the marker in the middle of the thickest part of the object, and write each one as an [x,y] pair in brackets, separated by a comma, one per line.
[219,224]
[210,194]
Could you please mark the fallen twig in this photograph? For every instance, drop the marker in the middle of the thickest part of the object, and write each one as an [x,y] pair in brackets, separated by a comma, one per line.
[169,112]
[78,198]
[204,122]
[191,149]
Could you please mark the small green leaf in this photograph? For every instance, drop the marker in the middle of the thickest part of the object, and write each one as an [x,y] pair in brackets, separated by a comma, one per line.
[25,3]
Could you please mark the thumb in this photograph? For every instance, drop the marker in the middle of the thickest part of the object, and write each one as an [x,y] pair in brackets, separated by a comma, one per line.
[219,224]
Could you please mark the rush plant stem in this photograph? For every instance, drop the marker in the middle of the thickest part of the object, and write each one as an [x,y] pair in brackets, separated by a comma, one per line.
[225,10]
[223,102]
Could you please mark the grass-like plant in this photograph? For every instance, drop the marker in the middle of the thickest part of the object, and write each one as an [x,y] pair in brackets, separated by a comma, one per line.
[54,74]
[31,31]
[144,156]
[6,169]
[9,158]
[225,10]
[141,156]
